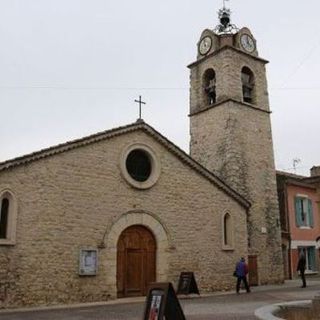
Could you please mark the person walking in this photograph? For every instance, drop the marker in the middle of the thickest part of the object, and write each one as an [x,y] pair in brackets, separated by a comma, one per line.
[241,274]
[302,268]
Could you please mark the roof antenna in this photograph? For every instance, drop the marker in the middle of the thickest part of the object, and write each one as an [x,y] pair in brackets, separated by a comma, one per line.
[295,162]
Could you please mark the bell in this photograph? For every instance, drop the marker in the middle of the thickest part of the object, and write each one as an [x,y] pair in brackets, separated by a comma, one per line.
[225,19]
[247,93]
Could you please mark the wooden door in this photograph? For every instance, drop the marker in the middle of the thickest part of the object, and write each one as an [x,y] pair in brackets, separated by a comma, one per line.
[136,261]
[253,271]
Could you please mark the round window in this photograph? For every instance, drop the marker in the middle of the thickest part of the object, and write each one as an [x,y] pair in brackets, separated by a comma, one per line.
[138,165]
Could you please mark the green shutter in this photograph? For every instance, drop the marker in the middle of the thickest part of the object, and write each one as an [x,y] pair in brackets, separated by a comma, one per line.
[298,209]
[310,213]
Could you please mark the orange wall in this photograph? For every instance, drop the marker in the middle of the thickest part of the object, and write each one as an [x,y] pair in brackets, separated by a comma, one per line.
[294,259]
[296,232]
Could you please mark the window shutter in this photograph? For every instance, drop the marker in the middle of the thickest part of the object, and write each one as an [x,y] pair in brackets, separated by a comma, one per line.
[298,212]
[310,213]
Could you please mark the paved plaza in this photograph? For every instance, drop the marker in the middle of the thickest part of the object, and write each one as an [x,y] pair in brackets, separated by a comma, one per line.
[222,305]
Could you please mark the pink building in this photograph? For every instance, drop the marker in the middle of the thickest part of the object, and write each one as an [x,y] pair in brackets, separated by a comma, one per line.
[299,201]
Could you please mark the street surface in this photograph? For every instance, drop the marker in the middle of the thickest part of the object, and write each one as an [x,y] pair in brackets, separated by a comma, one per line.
[220,306]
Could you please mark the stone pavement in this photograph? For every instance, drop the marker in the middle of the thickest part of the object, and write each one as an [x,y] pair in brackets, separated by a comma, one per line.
[224,306]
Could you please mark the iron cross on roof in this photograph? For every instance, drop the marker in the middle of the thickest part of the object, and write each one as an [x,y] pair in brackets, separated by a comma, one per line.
[140,103]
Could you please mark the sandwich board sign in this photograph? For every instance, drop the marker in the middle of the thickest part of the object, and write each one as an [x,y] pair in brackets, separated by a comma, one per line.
[187,283]
[162,303]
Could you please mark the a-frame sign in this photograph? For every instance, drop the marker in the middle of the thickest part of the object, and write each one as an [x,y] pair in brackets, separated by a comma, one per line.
[187,283]
[162,303]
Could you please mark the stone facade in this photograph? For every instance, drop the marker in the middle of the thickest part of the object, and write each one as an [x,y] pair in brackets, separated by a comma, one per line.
[204,211]
[75,196]
[233,138]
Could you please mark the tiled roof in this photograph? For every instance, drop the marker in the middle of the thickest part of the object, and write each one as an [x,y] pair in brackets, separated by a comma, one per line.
[290,175]
[299,180]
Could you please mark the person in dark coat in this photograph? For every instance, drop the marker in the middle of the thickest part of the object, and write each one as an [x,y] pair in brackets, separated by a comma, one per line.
[302,268]
[241,274]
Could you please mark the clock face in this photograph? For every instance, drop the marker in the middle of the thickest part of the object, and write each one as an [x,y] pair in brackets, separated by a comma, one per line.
[205,45]
[247,43]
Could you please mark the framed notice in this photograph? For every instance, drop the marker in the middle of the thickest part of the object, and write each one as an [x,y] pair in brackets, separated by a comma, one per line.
[88,262]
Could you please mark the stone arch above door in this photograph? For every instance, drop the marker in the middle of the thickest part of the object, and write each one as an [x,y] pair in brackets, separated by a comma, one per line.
[160,233]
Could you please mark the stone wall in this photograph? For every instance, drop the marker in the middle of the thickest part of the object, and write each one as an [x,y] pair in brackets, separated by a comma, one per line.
[79,199]
[227,64]
[234,139]
[236,142]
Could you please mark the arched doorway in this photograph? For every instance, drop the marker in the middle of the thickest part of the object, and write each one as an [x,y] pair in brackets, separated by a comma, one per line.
[136,261]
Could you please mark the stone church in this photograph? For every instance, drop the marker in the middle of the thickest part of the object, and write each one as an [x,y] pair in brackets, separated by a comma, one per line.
[103,216]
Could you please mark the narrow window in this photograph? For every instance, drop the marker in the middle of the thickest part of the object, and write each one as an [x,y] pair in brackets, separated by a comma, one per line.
[247,85]
[227,230]
[303,212]
[309,212]
[8,218]
[298,212]
[4,218]
[210,86]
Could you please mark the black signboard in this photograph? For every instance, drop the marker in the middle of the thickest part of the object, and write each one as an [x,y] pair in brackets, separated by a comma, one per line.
[162,303]
[187,283]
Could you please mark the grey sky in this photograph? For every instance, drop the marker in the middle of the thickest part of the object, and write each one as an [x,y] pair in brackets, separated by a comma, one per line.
[72,68]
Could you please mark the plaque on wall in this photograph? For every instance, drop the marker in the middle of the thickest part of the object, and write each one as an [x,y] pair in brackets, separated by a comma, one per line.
[88,262]
[187,283]
[162,303]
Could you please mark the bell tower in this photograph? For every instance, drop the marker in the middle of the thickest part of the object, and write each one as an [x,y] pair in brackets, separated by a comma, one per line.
[231,135]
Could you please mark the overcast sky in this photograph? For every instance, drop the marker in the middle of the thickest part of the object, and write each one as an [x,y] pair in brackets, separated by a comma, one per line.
[71,68]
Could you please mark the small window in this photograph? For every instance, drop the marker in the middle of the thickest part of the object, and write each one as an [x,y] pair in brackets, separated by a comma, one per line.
[303,212]
[8,217]
[227,232]
[210,86]
[226,223]
[4,218]
[139,165]
[247,79]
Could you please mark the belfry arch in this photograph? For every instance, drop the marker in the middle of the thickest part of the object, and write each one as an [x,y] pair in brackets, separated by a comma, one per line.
[248,85]
[209,84]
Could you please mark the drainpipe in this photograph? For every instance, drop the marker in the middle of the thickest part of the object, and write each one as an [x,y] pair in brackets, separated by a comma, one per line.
[288,226]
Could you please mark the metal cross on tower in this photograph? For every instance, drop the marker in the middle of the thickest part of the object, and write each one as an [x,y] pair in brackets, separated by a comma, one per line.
[225,26]
[140,103]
